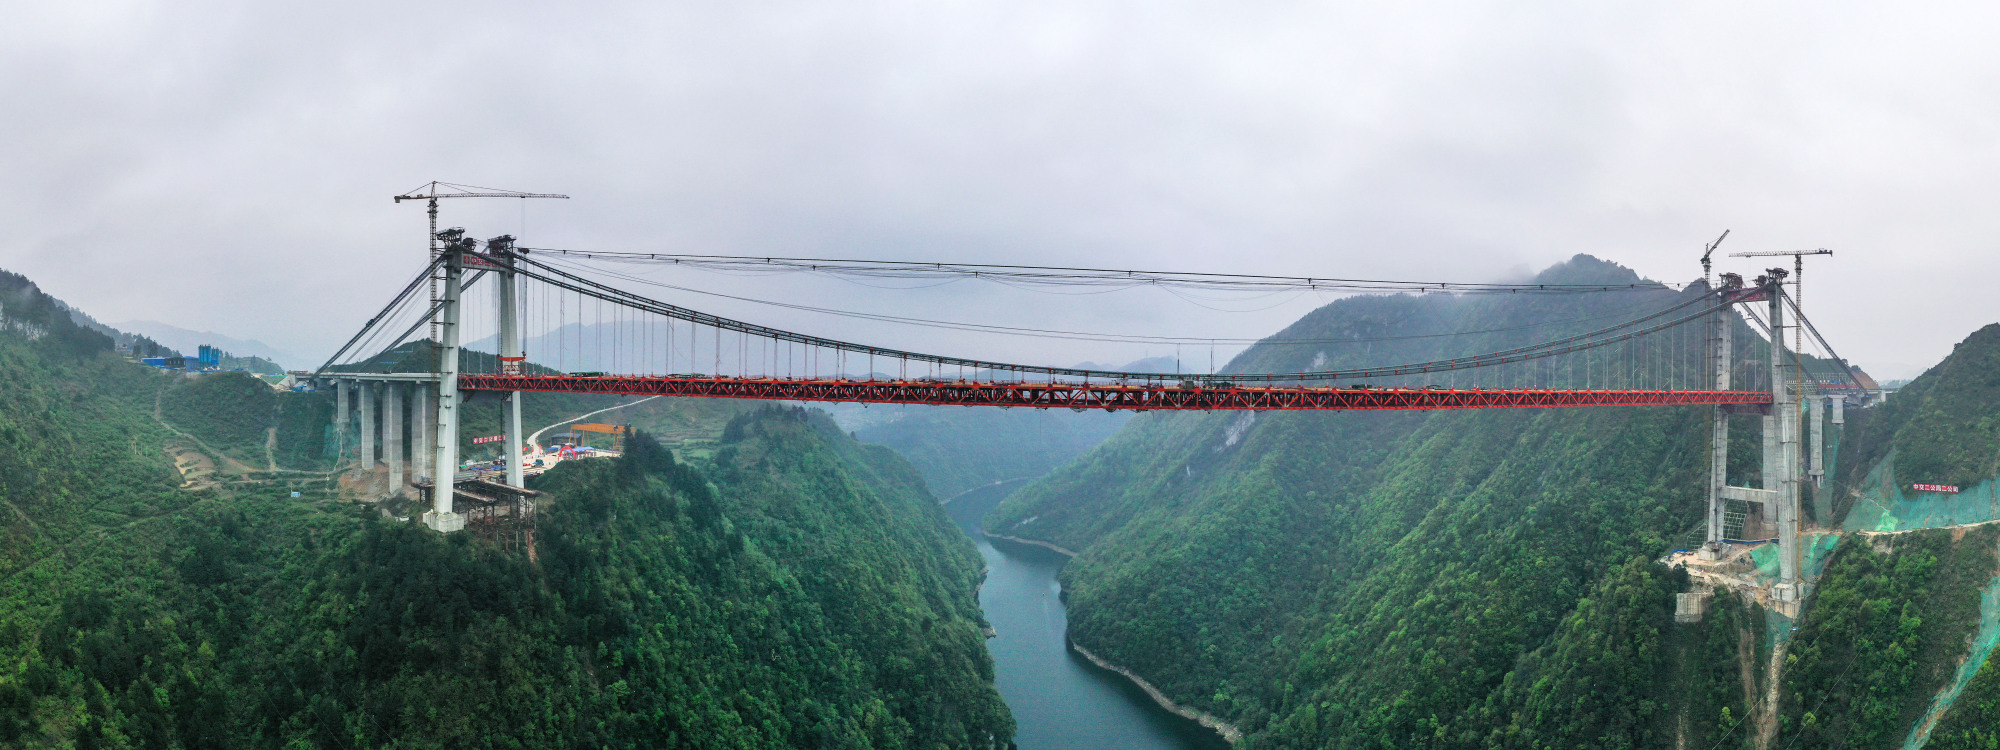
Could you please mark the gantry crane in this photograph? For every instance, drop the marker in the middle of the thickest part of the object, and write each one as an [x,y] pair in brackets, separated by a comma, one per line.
[431,191]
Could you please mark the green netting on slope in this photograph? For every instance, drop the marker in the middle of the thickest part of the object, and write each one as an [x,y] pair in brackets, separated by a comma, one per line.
[1881,505]
[1777,629]
[1817,553]
[1814,553]
[1982,647]
[1813,557]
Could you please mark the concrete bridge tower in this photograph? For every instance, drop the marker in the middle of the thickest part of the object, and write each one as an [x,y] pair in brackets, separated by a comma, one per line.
[1778,497]
[441,516]
[1722,328]
[1785,408]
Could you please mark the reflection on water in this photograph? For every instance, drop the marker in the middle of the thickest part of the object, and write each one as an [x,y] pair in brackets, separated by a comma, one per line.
[1060,701]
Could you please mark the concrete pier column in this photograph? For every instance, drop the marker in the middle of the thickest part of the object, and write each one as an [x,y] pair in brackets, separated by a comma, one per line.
[1817,456]
[365,395]
[1690,607]
[1770,462]
[392,434]
[1839,410]
[421,438]
[341,417]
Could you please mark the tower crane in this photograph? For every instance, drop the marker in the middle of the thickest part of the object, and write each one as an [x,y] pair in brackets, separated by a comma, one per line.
[1798,284]
[1708,251]
[431,191]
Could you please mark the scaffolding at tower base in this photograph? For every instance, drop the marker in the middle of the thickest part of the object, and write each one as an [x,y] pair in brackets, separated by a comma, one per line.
[496,513]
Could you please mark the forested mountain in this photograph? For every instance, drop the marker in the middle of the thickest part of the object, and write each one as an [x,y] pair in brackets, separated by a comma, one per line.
[1941,428]
[1422,579]
[1909,617]
[797,589]
[30,314]
[1445,579]
[1490,579]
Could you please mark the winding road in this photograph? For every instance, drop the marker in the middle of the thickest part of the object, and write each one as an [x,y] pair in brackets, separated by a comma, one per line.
[535,440]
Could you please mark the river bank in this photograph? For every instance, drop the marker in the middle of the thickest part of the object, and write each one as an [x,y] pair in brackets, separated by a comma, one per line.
[1032,543]
[1228,731]
[1061,699]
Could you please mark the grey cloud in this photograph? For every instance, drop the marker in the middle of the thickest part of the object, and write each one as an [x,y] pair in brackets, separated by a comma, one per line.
[246,151]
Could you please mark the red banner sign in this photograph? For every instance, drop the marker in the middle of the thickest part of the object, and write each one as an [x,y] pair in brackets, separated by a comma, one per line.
[1944,488]
[488,439]
[475,260]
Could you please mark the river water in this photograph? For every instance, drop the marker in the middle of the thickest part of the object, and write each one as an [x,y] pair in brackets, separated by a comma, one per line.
[1059,700]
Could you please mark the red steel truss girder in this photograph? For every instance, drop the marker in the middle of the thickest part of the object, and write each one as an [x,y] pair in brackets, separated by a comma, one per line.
[1106,396]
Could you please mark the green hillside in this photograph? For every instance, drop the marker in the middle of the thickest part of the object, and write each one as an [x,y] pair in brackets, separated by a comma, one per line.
[800,590]
[76,435]
[1903,623]
[1392,579]
[849,551]
[1942,428]
[1490,579]
[1886,628]
[225,409]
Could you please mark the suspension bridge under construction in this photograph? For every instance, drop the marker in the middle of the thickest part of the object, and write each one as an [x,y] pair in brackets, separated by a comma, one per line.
[1683,354]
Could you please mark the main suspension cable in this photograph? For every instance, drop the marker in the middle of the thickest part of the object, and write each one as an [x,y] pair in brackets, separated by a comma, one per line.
[386,309]
[1581,342]
[1078,276]
[1075,335]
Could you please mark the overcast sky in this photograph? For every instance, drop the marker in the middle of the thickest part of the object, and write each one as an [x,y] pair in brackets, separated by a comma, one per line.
[228,166]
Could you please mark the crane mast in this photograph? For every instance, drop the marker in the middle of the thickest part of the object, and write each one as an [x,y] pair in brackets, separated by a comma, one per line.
[443,450]
[1798,284]
[430,192]
[1708,251]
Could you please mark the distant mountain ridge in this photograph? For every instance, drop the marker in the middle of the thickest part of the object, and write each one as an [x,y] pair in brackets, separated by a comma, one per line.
[187,341]
[1149,364]
[959,449]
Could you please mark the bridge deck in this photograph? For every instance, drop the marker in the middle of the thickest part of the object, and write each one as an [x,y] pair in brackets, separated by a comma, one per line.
[1109,396]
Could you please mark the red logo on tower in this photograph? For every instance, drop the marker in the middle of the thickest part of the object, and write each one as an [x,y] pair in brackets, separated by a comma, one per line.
[475,260]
